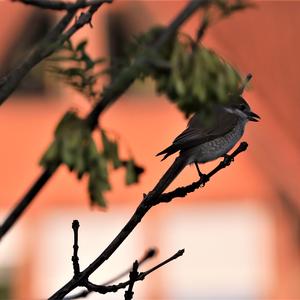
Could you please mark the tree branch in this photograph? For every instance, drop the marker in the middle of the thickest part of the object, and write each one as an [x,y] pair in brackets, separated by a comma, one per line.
[152,252]
[146,204]
[75,258]
[110,95]
[148,255]
[143,275]
[181,192]
[62,5]
[15,214]
[133,276]
[102,289]
[52,41]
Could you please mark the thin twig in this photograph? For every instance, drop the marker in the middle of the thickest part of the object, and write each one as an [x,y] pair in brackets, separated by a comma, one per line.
[150,253]
[245,83]
[146,204]
[142,275]
[121,83]
[202,28]
[133,276]
[62,5]
[75,258]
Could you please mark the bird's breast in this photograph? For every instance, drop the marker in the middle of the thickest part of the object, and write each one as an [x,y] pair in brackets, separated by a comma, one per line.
[219,146]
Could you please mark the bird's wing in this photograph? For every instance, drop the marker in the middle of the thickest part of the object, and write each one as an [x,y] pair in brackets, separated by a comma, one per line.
[198,132]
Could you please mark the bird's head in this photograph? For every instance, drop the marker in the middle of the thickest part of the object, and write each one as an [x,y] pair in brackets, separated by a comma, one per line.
[240,107]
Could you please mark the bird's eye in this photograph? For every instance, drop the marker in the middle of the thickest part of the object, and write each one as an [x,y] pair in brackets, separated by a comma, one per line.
[243,107]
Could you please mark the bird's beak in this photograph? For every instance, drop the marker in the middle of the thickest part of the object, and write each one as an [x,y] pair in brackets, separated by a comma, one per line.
[253,117]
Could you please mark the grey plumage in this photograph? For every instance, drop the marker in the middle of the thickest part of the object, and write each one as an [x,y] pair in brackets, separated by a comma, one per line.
[206,139]
[200,131]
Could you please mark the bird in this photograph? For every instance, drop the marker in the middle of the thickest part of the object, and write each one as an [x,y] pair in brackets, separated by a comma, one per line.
[206,139]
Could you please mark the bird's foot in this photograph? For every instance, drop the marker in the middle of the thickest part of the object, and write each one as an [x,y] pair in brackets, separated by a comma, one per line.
[227,159]
[203,177]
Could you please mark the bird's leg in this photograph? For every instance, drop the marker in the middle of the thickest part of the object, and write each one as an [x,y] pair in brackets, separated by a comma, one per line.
[198,170]
[202,176]
[227,159]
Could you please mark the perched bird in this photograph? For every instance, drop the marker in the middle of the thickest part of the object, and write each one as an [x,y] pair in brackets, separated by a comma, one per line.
[206,140]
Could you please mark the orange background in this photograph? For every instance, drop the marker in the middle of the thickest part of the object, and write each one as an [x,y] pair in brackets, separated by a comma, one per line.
[263,41]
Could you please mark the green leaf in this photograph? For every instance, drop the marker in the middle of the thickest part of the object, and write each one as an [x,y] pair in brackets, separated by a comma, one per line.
[96,192]
[131,176]
[114,154]
[81,166]
[81,46]
[69,118]
[67,156]
[102,169]
[75,67]
[51,156]
[89,64]
[68,45]
[106,144]
[91,152]
[70,72]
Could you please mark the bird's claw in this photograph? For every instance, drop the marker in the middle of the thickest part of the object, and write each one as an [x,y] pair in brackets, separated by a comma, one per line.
[204,178]
[227,159]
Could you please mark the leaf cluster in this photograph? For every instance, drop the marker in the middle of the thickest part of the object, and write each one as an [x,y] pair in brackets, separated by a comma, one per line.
[196,77]
[189,74]
[74,65]
[75,146]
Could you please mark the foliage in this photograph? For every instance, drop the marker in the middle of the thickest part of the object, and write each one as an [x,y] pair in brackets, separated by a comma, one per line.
[196,77]
[76,148]
[189,74]
[73,64]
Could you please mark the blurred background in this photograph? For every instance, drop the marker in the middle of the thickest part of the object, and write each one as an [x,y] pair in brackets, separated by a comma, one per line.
[241,232]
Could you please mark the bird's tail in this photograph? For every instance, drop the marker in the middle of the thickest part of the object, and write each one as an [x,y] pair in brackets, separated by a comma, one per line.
[177,166]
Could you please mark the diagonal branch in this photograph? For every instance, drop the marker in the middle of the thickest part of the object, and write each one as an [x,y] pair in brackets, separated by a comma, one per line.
[62,5]
[52,41]
[146,204]
[110,95]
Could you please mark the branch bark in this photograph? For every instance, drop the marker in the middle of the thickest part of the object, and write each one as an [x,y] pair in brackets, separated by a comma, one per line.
[62,5]
[133,276]
[110,95]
